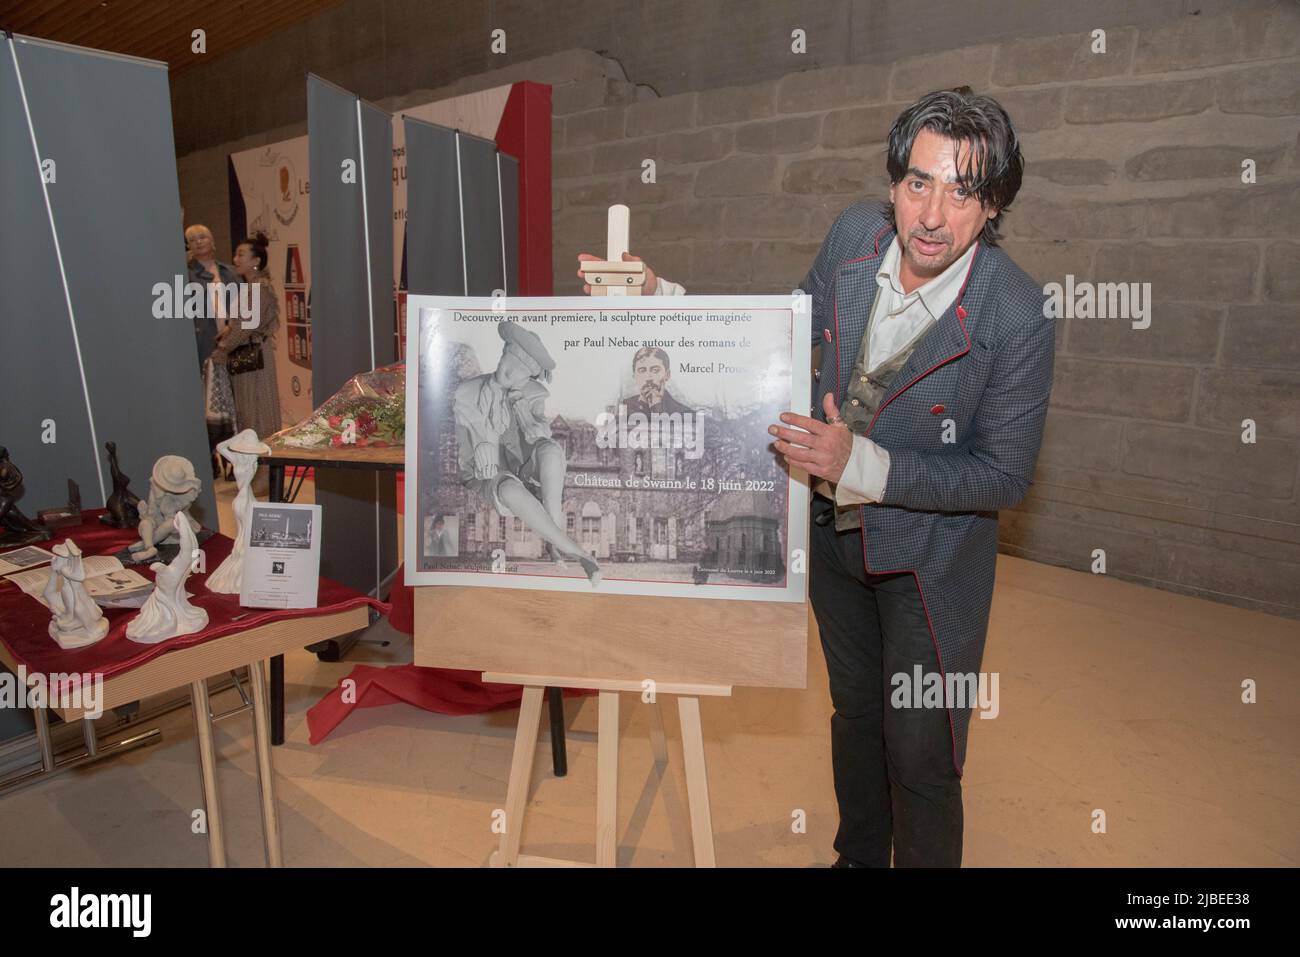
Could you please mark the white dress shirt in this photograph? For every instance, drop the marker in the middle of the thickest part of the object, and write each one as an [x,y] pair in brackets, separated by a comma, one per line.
[897,318]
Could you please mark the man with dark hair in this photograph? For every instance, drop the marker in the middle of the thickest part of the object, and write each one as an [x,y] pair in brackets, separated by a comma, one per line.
[651,371]
[936,367]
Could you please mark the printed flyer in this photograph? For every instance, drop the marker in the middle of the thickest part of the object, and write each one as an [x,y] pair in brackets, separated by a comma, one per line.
[612,445]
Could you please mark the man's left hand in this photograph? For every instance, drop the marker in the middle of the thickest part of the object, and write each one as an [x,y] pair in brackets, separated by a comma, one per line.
[821,448]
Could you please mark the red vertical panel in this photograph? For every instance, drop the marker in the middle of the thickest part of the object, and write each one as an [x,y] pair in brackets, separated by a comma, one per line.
[525,133]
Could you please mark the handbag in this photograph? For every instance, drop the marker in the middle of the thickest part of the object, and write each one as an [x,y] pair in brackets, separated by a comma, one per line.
[245,358]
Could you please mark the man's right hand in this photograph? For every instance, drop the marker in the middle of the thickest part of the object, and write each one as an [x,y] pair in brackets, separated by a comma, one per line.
[647,290]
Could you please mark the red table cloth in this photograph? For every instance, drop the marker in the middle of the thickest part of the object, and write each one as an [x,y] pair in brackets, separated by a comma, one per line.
[24,621]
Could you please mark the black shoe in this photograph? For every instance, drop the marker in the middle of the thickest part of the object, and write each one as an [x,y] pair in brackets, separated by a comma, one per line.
[843,861]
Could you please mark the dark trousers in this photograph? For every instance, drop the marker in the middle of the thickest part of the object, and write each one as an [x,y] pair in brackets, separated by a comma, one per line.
[894,776]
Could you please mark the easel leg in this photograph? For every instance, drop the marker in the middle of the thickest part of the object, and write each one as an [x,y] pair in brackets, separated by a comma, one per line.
[658,741]
[208,772]
[265,773]
[521,773]
[607,780]
[697,781]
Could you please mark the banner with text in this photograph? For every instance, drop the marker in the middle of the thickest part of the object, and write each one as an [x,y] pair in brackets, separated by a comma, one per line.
[610,445]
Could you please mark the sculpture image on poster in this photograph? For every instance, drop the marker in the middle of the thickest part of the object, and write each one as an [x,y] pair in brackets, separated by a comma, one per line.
[620,449]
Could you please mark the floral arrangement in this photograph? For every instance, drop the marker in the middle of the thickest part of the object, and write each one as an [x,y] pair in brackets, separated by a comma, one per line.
[368,412]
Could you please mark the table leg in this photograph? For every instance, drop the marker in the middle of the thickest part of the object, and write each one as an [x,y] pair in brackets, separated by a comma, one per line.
[265,772]
[208,772]
[559,755]
[275,482]
[277,700]
[275,492]
[42,719]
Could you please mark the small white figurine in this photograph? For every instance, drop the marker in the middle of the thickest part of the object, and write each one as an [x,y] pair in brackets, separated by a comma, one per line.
[167,612]
[77,621]
[173,487]
[241,451]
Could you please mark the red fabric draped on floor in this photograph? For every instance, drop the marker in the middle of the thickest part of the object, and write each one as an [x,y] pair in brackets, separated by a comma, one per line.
[441,690]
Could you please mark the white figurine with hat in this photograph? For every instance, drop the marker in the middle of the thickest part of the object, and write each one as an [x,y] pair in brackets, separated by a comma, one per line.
[505,449]
[173,487]
[77,620]
[241,451]
[167,611]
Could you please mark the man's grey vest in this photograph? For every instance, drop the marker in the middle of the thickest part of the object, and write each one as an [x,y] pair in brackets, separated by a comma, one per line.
[866,389]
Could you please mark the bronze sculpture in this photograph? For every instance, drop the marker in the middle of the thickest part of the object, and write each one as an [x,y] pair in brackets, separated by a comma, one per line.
[123,504]
[15,527]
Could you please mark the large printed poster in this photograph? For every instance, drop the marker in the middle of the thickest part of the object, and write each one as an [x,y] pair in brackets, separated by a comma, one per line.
[610,445]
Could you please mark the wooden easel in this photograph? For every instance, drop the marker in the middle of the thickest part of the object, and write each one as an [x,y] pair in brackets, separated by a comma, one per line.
[693,648]
[521,764]
[613,276]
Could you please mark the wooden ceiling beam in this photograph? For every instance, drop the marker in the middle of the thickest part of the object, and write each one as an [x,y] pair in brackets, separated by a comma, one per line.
[158,31]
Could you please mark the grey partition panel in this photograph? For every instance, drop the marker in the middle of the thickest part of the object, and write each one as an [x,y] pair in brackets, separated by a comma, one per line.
[434,263]
[377,149]
[352,314]
[340,307]
[508,172]
[481,200]
[104,121]
[38,364]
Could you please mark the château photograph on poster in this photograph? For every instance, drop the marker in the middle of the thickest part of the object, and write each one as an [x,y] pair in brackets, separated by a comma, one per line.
[570,444]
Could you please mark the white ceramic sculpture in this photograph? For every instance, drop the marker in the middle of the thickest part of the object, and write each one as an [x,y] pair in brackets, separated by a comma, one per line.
[241,451]
[77,621]
[173,487]
[167,612]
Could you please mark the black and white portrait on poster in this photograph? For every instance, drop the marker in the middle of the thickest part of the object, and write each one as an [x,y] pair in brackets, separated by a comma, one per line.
[619,449]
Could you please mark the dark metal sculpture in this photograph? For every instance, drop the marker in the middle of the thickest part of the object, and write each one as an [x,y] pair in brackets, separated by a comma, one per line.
[123,504]
[63,516]
[15,527]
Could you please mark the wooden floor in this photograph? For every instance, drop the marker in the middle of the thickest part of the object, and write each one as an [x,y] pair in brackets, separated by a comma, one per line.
[1112,696]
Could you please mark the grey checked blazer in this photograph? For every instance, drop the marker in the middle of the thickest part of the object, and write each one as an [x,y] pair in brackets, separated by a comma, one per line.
[986,365]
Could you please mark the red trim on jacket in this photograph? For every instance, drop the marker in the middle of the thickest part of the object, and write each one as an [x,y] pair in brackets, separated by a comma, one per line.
[835,306]
[961,320]
[929,623]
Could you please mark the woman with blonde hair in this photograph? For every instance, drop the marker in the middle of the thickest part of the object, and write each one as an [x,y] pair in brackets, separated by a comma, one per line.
[218,396]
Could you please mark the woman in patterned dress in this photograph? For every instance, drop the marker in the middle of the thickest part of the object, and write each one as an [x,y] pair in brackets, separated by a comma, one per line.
[257,397]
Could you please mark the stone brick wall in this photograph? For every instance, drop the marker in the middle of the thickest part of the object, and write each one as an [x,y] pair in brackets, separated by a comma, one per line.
[1133,174]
